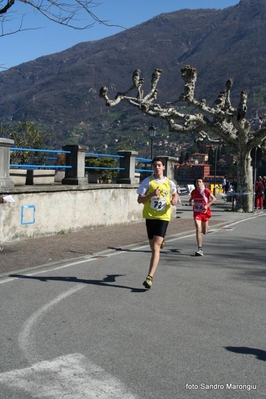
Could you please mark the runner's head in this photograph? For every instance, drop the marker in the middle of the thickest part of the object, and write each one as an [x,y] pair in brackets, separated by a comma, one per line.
[158,159]
[158,165]
[198,183]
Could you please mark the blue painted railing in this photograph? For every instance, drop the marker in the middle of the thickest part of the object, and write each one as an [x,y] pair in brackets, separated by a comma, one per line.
[143,160]
[93,155]
[88,154]
[29,166]
[37,166]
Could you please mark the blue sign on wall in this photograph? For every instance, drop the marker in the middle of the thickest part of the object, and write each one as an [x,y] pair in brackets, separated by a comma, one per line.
[27,214]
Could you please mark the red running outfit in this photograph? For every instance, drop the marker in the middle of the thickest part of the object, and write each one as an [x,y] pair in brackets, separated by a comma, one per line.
[201,199]
[259,194]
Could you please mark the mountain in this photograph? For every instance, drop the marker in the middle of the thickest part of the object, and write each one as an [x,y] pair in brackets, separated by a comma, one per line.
[60,92]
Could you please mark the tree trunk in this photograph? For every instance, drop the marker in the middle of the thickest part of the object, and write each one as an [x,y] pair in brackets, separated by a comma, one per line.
[245,182]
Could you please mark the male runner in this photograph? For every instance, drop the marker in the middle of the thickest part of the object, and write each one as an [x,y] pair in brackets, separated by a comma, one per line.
[202,198]
[157,193]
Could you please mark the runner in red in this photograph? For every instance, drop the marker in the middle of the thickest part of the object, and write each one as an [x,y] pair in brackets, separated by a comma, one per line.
[201,198]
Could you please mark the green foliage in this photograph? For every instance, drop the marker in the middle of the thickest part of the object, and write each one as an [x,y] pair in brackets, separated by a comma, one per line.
[25,135]
[105,176]
[127,145]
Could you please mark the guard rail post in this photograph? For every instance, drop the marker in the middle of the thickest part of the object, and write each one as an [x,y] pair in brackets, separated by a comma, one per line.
[128,164]
[76,159]
[5,181]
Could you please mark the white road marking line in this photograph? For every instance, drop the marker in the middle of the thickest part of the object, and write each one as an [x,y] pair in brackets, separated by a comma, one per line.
[70,377]
[244,220]
[25,339]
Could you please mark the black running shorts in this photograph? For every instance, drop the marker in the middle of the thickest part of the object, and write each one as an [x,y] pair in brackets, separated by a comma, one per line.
[156,227]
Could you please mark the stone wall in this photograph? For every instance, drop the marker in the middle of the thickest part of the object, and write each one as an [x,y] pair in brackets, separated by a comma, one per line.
[47,211]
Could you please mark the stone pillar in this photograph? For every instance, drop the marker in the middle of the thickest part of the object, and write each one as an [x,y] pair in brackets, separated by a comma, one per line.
[170,167]
[128,163]
[5,181]
[76,159]
[170,173]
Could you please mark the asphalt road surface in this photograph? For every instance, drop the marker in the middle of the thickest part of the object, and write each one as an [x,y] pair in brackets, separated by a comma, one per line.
[87,328]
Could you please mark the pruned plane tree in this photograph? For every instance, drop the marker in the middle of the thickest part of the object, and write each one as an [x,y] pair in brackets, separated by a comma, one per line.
[224,122]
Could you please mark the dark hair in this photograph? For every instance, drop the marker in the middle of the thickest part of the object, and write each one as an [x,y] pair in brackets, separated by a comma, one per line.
[158,159]
[198,178]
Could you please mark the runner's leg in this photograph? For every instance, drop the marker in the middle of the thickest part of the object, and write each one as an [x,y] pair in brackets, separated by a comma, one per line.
[155,245]
[198,225]
[204,227]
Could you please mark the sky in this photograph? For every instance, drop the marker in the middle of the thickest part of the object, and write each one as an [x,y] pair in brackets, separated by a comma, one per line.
[50,37]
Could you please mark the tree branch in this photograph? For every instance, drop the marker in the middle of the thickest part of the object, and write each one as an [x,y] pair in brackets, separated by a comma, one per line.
[223,120]
[63,13]
[8,5]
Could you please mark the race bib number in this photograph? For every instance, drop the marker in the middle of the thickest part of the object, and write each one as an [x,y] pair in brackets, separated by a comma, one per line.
[158,203]
[199,207]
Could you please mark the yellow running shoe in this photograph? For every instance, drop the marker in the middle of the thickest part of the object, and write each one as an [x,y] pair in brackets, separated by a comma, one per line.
[148,282]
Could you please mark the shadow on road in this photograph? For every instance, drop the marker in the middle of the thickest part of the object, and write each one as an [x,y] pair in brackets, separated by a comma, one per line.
[243,350]
[105,282]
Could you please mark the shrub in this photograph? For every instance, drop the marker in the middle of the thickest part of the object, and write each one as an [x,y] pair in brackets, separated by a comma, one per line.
[105,176]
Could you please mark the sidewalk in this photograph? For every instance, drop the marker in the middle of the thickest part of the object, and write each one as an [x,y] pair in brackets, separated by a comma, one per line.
[33,252]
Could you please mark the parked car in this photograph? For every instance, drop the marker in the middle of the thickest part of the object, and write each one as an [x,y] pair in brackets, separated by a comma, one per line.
[186,189]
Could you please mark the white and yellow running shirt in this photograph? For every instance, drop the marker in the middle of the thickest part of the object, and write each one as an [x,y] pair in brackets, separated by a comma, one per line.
[158,207]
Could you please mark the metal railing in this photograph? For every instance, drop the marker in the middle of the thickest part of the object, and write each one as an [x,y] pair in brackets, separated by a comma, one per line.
[95,156]
[39,158]
[53,165]
[144,161]
[39,166]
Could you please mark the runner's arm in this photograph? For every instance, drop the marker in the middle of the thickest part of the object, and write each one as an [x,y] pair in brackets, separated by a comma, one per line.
[174,194]
[146,197]
[212,199]
[174,199]
[191,200]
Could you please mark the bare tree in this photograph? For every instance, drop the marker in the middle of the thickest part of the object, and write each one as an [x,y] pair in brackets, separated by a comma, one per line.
[228,124]
[69,13]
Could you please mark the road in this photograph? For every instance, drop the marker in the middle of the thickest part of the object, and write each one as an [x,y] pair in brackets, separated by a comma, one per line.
[87,328]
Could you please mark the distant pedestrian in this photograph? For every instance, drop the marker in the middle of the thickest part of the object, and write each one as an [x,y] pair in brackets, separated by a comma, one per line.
[224,184]
[264,201]
[234,189]
[201,199]
[234,185]
[2,201]
[179,193]
[259,193]
[227,189]
[157,193]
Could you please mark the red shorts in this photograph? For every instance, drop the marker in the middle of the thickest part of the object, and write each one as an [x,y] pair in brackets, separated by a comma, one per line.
[204,217]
